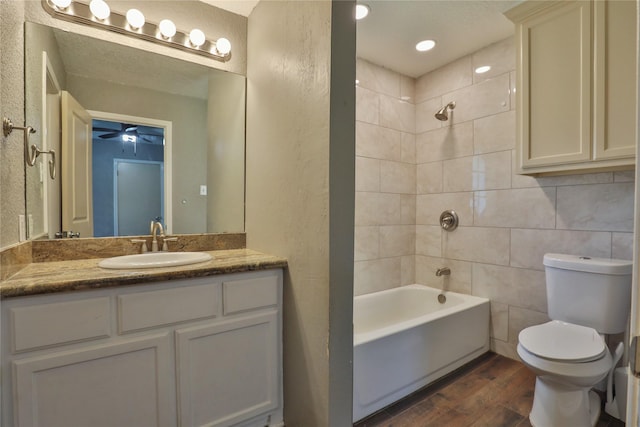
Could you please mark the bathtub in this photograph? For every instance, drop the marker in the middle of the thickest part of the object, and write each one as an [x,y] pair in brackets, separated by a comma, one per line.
[405,339]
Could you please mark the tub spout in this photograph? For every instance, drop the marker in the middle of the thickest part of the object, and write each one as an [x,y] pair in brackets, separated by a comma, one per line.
[444,271]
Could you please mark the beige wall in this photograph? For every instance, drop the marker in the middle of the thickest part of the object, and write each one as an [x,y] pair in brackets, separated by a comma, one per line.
[341,211]
[507,221]
[189,143]
[187,14]
[12,105]
[40,39]
[225,153]
[290,168]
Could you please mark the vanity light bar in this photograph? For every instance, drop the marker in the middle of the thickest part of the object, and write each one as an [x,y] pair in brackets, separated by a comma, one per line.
[79,12]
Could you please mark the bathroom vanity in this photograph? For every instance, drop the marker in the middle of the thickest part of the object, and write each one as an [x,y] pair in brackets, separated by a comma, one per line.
[190,346]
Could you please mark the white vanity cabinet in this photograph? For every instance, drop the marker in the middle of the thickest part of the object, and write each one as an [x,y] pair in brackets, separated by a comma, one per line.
[189,352]
[576,86]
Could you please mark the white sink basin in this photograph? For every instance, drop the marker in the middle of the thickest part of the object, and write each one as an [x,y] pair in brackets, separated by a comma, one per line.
[154,260]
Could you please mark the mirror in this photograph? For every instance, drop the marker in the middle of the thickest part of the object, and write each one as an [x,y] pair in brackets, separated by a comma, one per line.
[199,111]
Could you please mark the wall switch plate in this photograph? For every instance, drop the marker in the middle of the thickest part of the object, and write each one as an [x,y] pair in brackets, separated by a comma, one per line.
[22,227]
[203,190]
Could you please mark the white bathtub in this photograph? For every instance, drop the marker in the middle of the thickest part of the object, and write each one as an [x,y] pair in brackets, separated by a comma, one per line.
[405,339]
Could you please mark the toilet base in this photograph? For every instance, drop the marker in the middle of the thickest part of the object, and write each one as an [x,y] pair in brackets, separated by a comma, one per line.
[556,404]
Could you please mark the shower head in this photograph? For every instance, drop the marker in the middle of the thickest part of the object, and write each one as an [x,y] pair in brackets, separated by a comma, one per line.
[443,114]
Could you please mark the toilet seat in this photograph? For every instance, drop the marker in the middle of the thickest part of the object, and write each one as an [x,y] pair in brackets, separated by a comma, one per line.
[563,342]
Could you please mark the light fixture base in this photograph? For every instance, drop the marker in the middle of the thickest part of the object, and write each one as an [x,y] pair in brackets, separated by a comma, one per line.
[80,13]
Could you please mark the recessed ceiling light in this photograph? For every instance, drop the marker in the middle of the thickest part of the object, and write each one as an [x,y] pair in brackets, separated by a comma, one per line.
[362,10]
[483,69]
[425,45]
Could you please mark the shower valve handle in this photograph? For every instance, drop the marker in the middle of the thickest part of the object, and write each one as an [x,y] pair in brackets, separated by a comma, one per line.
[449,220]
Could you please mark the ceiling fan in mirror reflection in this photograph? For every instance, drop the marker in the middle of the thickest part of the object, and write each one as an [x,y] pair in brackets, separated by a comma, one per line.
[113,132]
[98,14]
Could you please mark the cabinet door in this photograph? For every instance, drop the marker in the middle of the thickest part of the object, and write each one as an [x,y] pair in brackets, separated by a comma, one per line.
[555,85]
[124,384]
[615,79]
[228,371]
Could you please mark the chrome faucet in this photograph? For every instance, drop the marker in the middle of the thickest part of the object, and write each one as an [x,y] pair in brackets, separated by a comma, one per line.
[153,230]
[444,271]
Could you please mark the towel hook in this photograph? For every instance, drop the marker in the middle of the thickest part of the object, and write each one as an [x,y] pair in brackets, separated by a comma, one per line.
[32,152]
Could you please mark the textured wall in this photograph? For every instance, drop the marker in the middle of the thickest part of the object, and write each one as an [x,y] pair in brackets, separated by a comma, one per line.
[11,147]
[39,39]
[287,184]
[225,153]
[288,200]
[507,221]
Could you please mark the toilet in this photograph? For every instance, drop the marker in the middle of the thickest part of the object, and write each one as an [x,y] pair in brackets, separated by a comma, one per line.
[586,299]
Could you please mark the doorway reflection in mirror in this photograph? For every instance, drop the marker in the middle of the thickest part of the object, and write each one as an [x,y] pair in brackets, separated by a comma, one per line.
[128,177]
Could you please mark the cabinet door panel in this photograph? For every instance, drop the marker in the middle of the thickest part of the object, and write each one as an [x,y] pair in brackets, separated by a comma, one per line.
[159,308]
[250,294]
[615,79]
[122,384]
[43,325]
[228,372]
[556,63]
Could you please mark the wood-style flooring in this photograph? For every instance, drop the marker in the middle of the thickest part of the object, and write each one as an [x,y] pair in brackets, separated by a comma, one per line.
[492,391]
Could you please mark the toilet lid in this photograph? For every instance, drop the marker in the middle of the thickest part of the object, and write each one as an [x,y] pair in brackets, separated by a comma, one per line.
[562,341]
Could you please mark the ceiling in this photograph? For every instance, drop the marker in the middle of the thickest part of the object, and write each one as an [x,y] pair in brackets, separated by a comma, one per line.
[388,36]
[239,7]
[129,66]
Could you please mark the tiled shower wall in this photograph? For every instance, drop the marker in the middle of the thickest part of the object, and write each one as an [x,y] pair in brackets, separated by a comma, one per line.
[385,216]
[410,167]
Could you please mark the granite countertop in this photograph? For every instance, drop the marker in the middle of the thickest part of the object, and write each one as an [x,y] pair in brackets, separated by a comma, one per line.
[65,276]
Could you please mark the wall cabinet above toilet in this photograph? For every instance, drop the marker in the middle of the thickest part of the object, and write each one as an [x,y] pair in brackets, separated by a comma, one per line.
[576,86]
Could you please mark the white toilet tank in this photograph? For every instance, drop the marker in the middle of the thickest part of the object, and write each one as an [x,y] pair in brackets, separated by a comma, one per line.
[593,292]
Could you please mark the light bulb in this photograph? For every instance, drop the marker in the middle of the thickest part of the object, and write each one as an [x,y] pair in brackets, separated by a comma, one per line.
[100,9]
[425,45]
[167,28]
[223,46]
[362,10]
[135,18]
[196,37]
[61,4]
